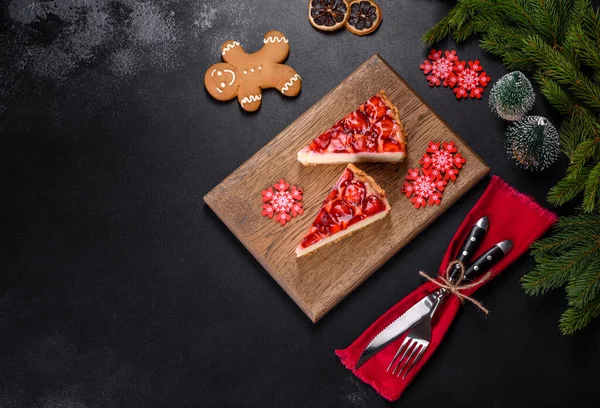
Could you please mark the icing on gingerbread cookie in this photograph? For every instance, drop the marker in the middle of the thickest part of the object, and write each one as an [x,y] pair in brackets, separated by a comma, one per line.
[229,47]
[288,85]
[245,75]
[273,39]
[250,99]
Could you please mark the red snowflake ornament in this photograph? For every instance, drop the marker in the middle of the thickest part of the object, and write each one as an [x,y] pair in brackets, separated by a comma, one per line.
[440,163]
[282,202]
[467,79]
[413,174]
[459,161]
[440,67]
[442,159]
[424,189]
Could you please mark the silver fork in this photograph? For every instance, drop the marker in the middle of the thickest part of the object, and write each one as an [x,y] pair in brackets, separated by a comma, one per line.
[416,341]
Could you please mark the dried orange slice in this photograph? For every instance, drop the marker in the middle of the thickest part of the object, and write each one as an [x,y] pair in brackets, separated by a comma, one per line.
[365,17]
[328,15]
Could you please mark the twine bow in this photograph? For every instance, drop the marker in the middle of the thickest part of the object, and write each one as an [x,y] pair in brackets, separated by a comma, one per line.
[455,288]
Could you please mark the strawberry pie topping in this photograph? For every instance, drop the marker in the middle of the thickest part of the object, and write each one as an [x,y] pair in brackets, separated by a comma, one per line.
[371,128]
[348,203]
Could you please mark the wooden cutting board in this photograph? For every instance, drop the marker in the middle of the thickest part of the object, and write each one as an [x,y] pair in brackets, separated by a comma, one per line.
[320,281]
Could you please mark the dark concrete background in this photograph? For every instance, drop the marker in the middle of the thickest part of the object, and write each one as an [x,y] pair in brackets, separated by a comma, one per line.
[119,287]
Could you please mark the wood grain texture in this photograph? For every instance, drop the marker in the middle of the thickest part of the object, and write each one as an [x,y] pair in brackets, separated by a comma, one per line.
[321,280]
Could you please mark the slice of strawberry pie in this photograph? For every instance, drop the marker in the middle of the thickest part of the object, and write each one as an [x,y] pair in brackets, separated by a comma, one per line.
[354,202]
[372,133]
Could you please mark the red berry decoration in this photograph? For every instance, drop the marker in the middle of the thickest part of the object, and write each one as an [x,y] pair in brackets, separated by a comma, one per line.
[440,163]
[440,67]
[283,203]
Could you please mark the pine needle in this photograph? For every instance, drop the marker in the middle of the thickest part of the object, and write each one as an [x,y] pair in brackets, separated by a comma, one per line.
[592,189]
[574,319]
[557,42]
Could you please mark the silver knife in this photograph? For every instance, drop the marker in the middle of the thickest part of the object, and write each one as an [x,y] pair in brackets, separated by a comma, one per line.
[405,322]
[422,308]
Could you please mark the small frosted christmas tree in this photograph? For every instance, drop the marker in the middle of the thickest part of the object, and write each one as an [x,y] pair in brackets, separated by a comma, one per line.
[533,142]
[512,96]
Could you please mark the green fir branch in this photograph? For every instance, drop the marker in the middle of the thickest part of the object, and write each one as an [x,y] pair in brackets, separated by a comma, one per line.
[556,244]
[546,21]
[518,12]
[580,126]
[591,22]
[558,67]
[579,11]
[589,222]
[567,232]
[445,27]
[568,137]
[574,319]
[558,43]
[478,24]
[583,45]
[584,287]
[563,10]
[555,272]
[569,187]
[555,93]
[584,152]
[592,190]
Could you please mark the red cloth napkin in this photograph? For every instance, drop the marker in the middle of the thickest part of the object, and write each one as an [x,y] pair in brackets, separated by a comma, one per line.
[513,216]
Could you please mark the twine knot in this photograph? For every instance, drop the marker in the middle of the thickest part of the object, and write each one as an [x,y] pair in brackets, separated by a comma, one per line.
[455,288]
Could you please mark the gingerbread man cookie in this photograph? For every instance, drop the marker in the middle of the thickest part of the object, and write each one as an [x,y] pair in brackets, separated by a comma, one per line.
[245,75]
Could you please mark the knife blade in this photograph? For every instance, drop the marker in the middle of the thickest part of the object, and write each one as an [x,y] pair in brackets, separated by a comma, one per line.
[422,308]
[403,323]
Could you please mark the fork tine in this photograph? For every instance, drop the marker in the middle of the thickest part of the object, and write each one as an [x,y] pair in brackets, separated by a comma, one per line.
[408,348]
[414,350]
[415,360]
[404,343]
